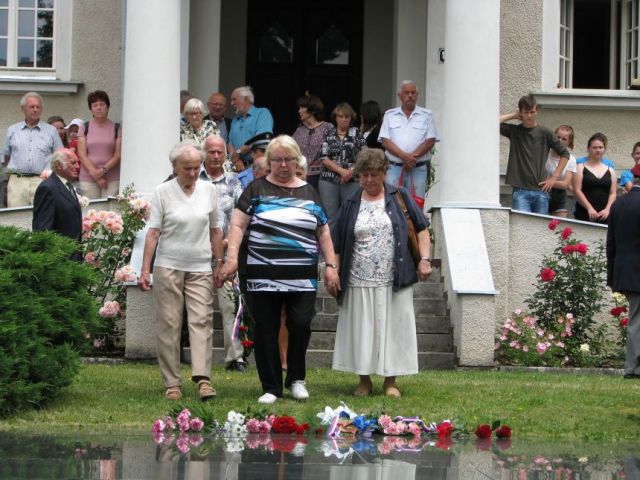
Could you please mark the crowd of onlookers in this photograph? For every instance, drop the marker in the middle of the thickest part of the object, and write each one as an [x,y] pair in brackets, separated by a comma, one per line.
[241,203]
[542,168]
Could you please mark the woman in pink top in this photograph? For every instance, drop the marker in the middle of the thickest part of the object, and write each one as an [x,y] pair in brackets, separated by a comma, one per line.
[99,150]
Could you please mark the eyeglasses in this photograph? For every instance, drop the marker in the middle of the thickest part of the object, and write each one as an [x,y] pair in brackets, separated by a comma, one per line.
[286,160]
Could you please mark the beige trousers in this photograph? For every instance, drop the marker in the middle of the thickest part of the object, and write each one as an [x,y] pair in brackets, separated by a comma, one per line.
[92,190]
[21,190]
[171,289]
[232,350]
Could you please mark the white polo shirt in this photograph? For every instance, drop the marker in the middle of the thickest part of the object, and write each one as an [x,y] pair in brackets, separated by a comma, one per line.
[408,132]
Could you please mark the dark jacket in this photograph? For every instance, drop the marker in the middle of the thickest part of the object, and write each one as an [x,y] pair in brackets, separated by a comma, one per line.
[623,243]
[56,209]
[343,236]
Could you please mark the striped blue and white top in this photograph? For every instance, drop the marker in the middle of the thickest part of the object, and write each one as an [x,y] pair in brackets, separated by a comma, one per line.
[281,252]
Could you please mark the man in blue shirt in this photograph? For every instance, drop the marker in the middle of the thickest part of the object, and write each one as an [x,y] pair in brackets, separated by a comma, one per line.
[248,122]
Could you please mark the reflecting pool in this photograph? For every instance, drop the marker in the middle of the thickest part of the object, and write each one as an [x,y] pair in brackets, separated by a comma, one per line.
[279,456]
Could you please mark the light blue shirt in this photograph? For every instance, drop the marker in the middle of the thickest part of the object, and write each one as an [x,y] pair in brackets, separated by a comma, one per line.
[30,149]
[606,161]
[257,120]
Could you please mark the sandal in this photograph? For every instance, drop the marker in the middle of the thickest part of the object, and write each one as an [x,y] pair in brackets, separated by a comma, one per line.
[392,392]
[205,390]
[363,390]
[173,393]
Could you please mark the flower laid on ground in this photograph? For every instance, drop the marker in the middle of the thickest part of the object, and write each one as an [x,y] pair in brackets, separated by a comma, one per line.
[343,421]
[234,426]
[188,426]
[503,431]
[522,341]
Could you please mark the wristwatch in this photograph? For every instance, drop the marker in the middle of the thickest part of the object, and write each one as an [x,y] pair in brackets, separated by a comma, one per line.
[331,265]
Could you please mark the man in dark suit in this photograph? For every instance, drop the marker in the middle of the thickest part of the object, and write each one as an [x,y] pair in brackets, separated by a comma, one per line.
[623,265]
[56,206]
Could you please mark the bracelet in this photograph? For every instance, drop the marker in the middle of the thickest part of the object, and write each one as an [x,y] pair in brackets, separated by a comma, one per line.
[331,265]
[219,260]
[426,259]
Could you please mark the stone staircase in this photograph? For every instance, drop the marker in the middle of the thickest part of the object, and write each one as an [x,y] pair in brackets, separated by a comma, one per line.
[435,337]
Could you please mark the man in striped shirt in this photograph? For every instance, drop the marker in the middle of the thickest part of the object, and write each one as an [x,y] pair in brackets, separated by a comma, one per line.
[28,148]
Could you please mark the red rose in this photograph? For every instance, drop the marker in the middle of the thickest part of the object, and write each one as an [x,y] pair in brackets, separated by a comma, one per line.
[284,425]
[566,233]
[243,328]
[319,431]
[503,432]
[483,431]
[547,274]
[445,429]
[617,311]
[567,249]
[581,248]
[553,224]
[624,322]
[247,343]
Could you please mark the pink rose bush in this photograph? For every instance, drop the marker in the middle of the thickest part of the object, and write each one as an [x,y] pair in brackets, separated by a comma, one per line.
[522,341]
[107,239]
[571,280]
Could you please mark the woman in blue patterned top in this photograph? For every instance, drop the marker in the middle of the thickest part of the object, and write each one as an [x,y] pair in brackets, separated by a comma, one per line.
[284,222]
[340,146]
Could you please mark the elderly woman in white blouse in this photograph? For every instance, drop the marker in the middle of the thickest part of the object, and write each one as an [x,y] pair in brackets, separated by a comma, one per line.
[186,227]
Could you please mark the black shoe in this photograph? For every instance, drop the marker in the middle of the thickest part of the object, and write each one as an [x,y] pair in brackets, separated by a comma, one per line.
[236,366]
[630,376]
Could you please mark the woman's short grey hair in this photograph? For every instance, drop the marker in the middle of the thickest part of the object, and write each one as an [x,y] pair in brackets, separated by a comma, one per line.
[245,92]
[286,142]
[23,100]
[179,151]
[371,160]
[194,104]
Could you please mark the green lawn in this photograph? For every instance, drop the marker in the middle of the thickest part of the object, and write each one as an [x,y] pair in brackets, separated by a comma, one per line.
[119,398]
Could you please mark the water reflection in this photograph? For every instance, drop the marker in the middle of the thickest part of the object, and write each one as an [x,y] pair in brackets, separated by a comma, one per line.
[296,456]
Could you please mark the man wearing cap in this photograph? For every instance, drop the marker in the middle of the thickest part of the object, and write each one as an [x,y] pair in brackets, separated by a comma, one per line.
[257,146]
[408,133]
[28,148]
[217,105]
[623,265]
[248,122]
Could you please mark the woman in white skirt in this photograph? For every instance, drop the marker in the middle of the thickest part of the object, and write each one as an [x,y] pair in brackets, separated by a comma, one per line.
[376,325]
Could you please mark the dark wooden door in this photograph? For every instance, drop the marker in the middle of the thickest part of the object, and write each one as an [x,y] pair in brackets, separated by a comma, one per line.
[298,46]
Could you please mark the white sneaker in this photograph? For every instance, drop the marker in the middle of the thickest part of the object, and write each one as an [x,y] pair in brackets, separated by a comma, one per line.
[269,398]
[299,390]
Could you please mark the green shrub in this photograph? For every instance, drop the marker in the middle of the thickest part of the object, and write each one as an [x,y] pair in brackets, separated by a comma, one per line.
[46,314]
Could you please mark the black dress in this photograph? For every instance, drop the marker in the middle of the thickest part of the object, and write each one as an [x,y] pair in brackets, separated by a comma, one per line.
[597,192]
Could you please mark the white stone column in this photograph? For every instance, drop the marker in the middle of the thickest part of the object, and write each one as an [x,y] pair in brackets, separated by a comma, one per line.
[469,163]
[409,41]
[151,121]
[204,48]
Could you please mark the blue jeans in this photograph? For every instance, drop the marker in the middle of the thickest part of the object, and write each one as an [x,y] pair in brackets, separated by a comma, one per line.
[534,201]
[418,174]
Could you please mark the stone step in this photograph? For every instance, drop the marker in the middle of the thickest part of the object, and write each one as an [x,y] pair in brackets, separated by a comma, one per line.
[324,358]
[427,342]
[426,360]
